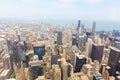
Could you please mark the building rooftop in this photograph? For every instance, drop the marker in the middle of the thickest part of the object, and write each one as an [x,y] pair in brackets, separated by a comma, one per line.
[35,63]
[98,44]
[38,45]
[80,56]
[84,77]
[5,72]
[114,48]
[41,78]
[88,66]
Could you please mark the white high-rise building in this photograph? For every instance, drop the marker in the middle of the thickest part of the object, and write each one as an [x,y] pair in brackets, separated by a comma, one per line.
[89,47]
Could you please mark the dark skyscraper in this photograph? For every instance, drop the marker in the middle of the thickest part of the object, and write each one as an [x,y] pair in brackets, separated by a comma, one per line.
[54,58]
[36,71]
[80,61]
[78,27]
[39,50]
[18,38]
[93,28]
[97,52]
[59,38]
[113,60]
[15,52]
[74,40]
[79,23]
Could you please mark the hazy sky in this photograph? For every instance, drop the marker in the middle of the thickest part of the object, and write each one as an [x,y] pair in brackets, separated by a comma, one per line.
[61,9]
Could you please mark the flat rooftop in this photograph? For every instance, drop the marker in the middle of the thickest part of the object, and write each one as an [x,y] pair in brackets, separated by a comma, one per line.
[114,48]
[88,66]
[5,72]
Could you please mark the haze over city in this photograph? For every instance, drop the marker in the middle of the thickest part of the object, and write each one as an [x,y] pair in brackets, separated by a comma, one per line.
[59,40]
[101,10]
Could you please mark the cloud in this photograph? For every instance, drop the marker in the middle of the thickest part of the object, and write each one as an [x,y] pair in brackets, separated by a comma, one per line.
[64,3]
[27,1]
[94,1]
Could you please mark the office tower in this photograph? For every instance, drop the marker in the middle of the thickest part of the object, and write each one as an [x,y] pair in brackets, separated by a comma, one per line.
[56,72]
[66,68]
[26,62]
[93,28]
[15,52]
[80,61]
[117,44]
[113,60]
[97,52]
[73,57]
[59,38]
[19,38]
[6,61]
[88,70]
[106,52]
[78,26]
[70,70]
[25,46]
[39,49]
[102,68]
[21,51]
[18,35]
[54,58]
[77,31]
[36,68]
[89,47]
[20,74]
[74,40]
[96,66]
[60,62]
[81,30]
[36,71]
[82,41]
[9,45]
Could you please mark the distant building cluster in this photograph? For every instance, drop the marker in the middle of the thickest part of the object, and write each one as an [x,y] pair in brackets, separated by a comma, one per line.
[54,52]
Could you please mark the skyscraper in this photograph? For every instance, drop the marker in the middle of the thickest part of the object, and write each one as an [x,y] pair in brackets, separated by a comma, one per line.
[80,61]
[74,40]
[93,28]
[39,50]
[82,41]
[6,61]
[89,47]
[113,60]
[56,72]
[54,58]
[117,44]
[79,23]
[97,52]
[66,68]
[59,38]
[15,52]
[77,31]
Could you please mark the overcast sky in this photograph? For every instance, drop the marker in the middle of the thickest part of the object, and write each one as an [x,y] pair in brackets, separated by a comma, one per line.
[107,10]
